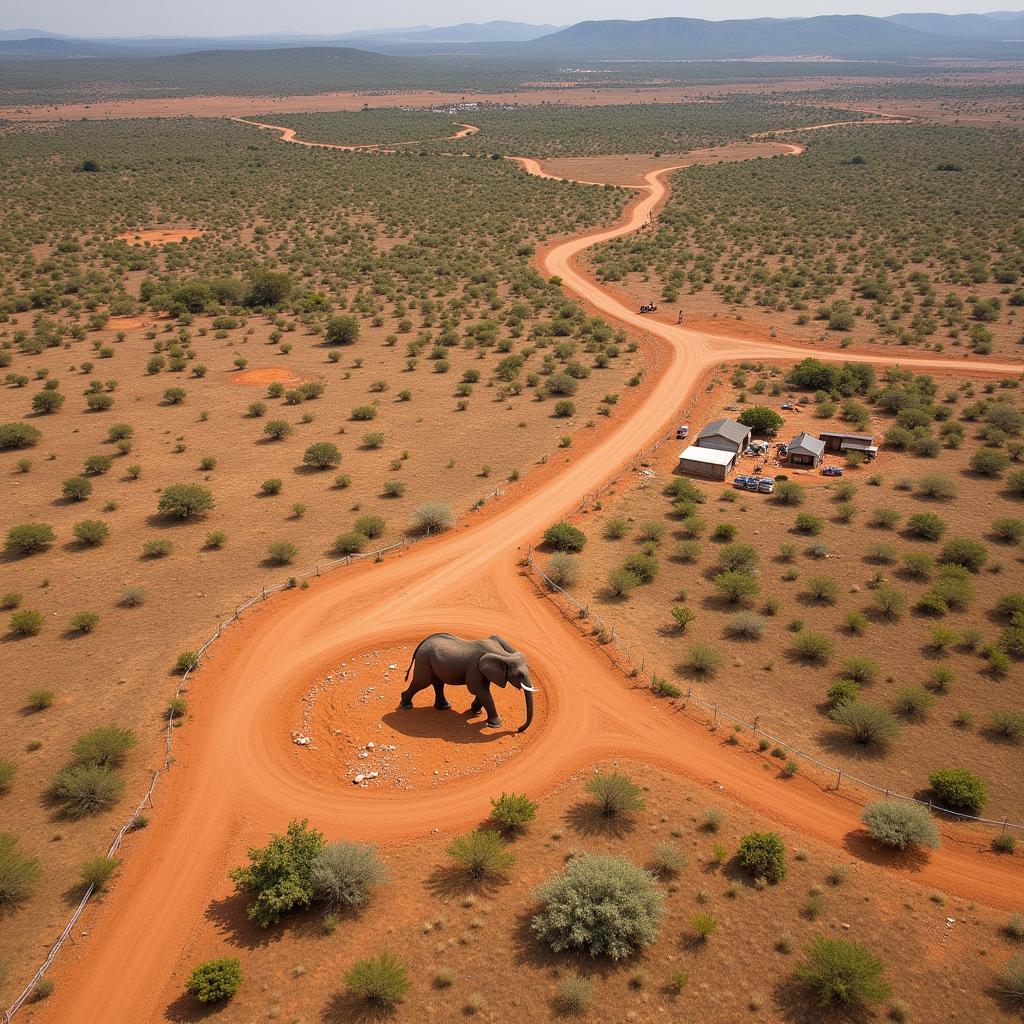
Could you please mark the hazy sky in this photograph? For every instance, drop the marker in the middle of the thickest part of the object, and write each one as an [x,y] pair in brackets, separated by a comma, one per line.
[246,17]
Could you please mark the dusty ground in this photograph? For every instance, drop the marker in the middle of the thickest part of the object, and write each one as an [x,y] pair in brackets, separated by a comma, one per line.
[631,168]
[161,236]
[758,678]
[435,920]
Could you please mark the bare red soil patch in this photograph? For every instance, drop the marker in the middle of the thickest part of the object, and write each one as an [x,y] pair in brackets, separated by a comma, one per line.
[261,376]
[161,236]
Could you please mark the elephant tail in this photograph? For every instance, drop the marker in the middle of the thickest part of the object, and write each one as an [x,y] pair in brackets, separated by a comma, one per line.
[412,660]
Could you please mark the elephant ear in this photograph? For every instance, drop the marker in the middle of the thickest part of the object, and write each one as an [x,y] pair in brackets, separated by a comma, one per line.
[494,667]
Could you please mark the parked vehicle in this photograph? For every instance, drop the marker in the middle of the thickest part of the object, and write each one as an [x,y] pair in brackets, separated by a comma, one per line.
[832,471]
[740,482]
[783,450]
[753,483]
[767,485]
[682,431]
[788,407]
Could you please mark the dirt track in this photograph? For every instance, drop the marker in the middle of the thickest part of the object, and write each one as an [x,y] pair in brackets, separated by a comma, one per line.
[289,135]
[238,776]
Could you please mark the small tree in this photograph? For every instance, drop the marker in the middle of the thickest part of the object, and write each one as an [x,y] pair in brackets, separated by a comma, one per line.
[602,905]
[842,973]
[18,435]
[76,488]
[957,789]
[277,430]
[761,420]
[216,980]
[481,853]
[350,543]
[964,551]
[763,855]
[279,876]
[736,587]
[184,501]
[91,532]
[565,537]
[380,980]
[900,824]
[615,793]
[513,812]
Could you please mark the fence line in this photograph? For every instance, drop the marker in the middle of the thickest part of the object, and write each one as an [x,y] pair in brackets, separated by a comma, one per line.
[630,667]
[147,799]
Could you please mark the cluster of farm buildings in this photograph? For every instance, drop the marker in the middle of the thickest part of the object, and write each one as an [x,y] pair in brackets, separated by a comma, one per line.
[719,446]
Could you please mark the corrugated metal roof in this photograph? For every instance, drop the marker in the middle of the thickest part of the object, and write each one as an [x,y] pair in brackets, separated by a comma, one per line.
[712,456]
[734,431]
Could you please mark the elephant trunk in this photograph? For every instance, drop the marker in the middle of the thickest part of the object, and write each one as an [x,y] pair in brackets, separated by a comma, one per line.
[528,695]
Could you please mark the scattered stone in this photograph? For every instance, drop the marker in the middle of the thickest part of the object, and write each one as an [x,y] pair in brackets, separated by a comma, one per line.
[300,740]
[357,780]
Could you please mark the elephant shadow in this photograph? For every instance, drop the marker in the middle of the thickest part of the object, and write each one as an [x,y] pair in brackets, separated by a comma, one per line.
[429,723]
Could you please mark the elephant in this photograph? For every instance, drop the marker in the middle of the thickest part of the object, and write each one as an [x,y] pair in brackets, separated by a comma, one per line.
[442,659]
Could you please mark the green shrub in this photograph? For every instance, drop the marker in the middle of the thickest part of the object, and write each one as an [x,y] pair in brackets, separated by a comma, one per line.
[91,532]
[866,722]
[27,622]
[216,980]
[349,543]
[971,554]
[322,455]
[1010,983]
[602,905]
[937,487]
[615,793]
[703,660]
[990,462]
[18,873]
[1009,529]
[271,486]
[342,330]
[643,567]
[574,995]
[746,626]
[364,413]
[842,691]
[379,980]
[184,501]
[788,493]
[738,558]
[279,876]
[813,647]
[565,537]
[860,668]
[808,523]
[563,570]
[86,789]
[481,853]
[736,587]
[106,746]
[926,525]
[704,925]
[957,789]
[370,525]
[901,824]
[83,622]
[616,529]
[277,430]
[1008,724]
[842,973]
[513,812]
[823,589]
[432,517]
[914,702]
[39,700]
[763,855]
[76,488]
[18,435]
[281,552]
[344,873]
[724,531]
[29,538]
[97,871]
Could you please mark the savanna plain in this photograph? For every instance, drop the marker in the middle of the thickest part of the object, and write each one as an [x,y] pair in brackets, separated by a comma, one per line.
[377,388]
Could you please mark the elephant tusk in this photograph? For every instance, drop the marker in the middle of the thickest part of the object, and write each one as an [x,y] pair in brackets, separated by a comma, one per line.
[529,689]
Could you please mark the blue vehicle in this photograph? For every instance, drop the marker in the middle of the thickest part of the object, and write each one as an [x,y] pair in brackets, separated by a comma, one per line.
[832,471]
[767,485]
[753,483]
[740,482]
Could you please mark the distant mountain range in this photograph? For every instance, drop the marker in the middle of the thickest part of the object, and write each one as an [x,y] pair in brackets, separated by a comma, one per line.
[844,36]
[999,34]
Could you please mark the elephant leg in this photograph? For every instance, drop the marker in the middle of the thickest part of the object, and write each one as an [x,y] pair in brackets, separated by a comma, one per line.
[439,701]
[421,679]
[476,707]
[493,718]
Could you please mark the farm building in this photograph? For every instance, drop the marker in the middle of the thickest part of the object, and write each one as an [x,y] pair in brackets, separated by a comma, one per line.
[805,450]
[839,441]
[726,435]
[710,463]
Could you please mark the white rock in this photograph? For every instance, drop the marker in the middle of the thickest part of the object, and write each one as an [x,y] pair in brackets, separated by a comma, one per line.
[392,667]
[370,746]
[302,741]
[357,780]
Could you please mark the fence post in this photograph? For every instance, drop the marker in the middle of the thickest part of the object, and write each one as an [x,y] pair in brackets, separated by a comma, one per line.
[839,778]
[318,568]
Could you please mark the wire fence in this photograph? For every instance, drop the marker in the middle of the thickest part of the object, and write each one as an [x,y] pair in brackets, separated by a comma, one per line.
[135,818]
[623,659]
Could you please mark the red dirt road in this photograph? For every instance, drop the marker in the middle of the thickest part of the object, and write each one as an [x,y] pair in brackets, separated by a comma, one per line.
[289,135]
[238,776]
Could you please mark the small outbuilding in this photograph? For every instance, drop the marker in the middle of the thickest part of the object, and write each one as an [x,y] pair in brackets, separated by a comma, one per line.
[709,463]
[726,435]
[805,450]
[840,441]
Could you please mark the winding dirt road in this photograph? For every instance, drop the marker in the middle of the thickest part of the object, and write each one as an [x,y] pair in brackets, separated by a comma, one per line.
[290,135]
[237,775]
